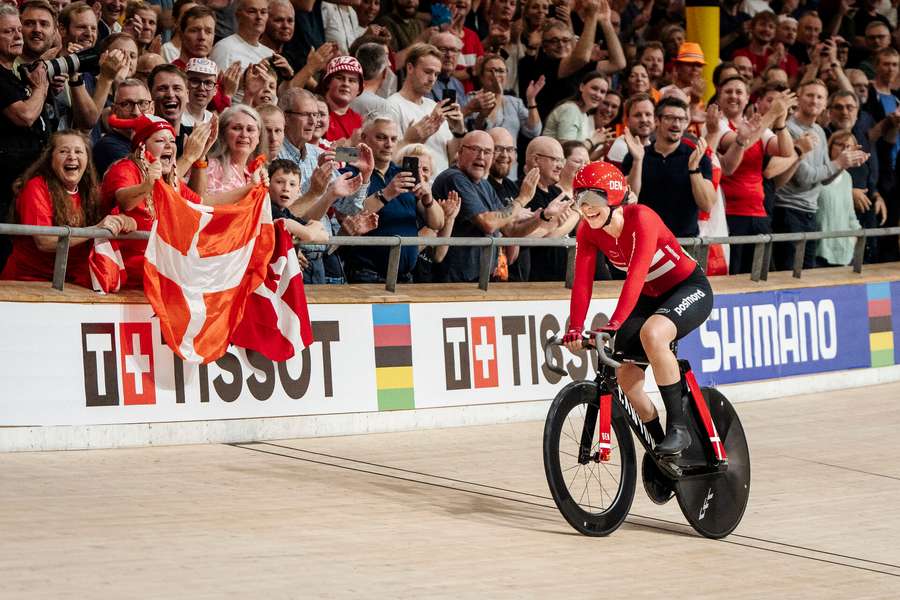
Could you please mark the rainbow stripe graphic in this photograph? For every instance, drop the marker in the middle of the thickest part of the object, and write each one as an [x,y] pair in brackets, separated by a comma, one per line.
[393,356]
[881,334]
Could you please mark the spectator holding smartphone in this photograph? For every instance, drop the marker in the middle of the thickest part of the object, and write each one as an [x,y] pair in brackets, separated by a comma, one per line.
[404,200]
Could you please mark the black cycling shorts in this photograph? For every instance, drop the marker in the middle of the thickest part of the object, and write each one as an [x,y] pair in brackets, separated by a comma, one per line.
[687,305]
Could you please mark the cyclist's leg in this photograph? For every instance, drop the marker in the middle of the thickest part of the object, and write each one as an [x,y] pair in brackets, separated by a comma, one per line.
[630,376]
[680,312]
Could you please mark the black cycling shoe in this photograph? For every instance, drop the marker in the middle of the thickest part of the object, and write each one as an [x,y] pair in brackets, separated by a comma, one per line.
[677,440]
[656,484]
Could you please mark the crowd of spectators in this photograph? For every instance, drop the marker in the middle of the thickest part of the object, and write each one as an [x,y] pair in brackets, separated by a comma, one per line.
[462,118]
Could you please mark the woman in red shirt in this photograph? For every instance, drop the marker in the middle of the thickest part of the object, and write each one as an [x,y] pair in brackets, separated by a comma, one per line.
[128,184]
[59,189]
[665,296]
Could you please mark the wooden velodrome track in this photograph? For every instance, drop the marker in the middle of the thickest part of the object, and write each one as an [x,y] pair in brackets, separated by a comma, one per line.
[452,512]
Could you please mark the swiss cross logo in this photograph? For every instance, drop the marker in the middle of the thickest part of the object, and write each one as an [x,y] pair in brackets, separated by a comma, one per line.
[484,352]
[466,364]
[105,354]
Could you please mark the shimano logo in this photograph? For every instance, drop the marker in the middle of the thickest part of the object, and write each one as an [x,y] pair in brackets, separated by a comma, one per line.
[765,335]
[688,300]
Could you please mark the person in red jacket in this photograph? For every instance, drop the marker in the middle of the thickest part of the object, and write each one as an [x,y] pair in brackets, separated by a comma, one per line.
[665,296]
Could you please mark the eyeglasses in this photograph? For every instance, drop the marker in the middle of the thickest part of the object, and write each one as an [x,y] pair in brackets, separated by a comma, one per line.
[207,84]
[561,41]
[673,119]
[554,159]
[447,50]
[480,151]
[303,115]
[132,104]
[504,149]
[497,71]
[843,107]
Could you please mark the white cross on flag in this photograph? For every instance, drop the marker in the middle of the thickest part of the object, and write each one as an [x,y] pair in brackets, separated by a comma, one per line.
[201,264]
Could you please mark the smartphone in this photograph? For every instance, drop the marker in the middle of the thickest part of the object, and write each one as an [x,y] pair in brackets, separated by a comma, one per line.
[411,165]
[450,95]
[551,12]
[346,154]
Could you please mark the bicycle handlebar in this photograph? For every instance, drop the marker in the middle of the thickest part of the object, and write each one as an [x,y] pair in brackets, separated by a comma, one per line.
[598,340]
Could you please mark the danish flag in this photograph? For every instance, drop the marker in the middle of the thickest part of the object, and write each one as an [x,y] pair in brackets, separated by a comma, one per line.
[106,266]
[201,265]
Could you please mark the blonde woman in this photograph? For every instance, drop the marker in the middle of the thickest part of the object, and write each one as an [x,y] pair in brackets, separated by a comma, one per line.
[242,137]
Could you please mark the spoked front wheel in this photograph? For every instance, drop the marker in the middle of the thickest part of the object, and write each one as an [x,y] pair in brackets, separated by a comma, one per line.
[714,503]
[594,496]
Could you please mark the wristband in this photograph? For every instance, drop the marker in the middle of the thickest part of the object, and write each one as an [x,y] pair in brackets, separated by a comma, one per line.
[544,217]
[200,164]
[737,141]
[458,135]
[694,171]
[428,205]
[777,129]
[76,82]
[529,107]
[379,195]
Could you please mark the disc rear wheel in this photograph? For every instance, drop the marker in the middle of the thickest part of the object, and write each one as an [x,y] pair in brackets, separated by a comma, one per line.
[714,503]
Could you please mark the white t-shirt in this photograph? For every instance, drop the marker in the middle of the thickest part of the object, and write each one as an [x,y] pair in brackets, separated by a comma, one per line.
[170,52]
[188,120]
[406,113]
[234,48]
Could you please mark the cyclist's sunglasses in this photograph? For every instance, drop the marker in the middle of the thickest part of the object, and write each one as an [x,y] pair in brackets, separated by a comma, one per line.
[593,197]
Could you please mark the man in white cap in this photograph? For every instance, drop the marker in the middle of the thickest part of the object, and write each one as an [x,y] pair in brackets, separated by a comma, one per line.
[202,74]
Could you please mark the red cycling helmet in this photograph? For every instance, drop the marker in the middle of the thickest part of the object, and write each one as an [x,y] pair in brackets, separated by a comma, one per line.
[600,183]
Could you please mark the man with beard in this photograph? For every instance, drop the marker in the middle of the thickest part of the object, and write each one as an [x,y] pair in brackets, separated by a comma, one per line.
[21,103]
[403,204]
[796,202]
[280,26]
[639,122]
[518,258]
[653,57]
[110,12]
[38,29]
[77,28]
[438,125]
[546,155]
[169,90]
[844,114]
[402,23]
[482,213]
[670,176]
[763,51]
[132,100]
[244,46]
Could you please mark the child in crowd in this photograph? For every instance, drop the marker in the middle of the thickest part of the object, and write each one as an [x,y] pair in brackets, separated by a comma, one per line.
[284,189]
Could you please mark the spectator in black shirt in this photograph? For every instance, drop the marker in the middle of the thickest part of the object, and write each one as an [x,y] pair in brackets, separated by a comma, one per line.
[24,132]
[518,259]
[132,99]
[563,61]
[674,176]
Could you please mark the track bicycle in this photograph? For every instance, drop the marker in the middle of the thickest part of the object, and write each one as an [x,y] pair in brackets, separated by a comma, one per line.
[589,456]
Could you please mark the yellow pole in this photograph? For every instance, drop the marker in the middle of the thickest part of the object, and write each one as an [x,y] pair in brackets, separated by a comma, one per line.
[703,28]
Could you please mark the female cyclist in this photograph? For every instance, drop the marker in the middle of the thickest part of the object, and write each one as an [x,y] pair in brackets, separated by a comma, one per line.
[665,296]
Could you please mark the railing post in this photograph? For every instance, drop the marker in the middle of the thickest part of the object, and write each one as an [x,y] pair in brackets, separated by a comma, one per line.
[393,270]
[859,251]
[767,261]
[759,252]
[702,252]
[62,261]
[485,264]
[799,252]
[570,267]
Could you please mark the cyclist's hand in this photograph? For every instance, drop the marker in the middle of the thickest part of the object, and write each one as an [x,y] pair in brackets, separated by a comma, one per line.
[573,340]
[612,327]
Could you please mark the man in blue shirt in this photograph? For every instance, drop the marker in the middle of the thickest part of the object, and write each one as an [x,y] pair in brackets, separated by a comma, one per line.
[403,203]
[481,212]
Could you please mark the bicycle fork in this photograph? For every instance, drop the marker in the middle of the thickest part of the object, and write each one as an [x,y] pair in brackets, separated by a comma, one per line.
[693,386]
[604,413]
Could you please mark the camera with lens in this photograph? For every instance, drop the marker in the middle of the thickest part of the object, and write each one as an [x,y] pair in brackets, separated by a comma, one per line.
[86,61]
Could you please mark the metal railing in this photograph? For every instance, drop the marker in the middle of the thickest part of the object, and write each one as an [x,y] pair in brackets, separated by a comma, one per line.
[762,251]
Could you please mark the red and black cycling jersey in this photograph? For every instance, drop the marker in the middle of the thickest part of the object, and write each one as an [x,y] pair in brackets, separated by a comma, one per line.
[649,253]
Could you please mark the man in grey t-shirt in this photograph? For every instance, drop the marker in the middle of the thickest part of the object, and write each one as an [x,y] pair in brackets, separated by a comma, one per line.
[797,201]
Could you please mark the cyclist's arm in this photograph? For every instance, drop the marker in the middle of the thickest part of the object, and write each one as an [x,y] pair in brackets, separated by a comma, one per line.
[644,240]
[583,283]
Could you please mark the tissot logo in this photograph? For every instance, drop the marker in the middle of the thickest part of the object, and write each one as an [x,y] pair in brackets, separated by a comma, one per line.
[105,351]
[482,368]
